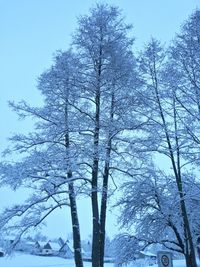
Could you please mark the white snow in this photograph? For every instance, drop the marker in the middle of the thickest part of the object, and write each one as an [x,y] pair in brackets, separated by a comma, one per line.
[25,260]
[176,263]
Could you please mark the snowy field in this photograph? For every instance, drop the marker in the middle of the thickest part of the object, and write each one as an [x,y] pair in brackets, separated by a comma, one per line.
[176,263]
[23,260]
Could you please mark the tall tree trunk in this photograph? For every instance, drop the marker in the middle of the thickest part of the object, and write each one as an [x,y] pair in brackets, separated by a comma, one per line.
[75,225]
[190,262]
[175,161]
[177,173]
[103,213]
[72,198]
[95,167]
[95,205]
[96,226]
[190,256]
[104,197]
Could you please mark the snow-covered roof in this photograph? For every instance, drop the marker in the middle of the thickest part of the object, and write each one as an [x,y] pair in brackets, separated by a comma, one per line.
[31,243]
[147,253]
[69,244]
[42,244]
[55,246]
[61,241]
[47,246]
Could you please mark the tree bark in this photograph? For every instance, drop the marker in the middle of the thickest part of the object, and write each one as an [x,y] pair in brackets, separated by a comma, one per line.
[190,262]
[103,213]
[95,167]
[75,225]
[96,226]
[190,252]
[177,173]
[104,197]
[72,198]
[95,205]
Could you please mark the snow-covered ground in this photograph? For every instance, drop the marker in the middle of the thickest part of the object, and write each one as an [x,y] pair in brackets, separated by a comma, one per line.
[176,263]
[25,260]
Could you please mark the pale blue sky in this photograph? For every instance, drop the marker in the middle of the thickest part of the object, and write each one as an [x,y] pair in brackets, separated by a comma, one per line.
[32,30]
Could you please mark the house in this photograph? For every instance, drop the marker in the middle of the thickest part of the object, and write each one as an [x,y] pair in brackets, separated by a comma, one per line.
[46,250]
[21,244]
[66,249]
[51,248]
[55,248]
[36,249]
[61,242]
[42,248]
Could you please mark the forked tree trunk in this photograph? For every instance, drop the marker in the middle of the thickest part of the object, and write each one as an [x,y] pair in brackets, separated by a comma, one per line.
[95,205]
[95,167]
[104,197]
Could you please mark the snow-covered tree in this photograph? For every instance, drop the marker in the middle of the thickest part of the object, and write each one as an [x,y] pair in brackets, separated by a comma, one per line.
[150,207]
[183,63]
[125,249]
[165,132]
[108,79]
[48,168]
[170,140]
[81,134]
[106,117]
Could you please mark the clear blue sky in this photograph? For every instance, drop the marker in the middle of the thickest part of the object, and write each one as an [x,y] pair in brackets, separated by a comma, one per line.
[32,30]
